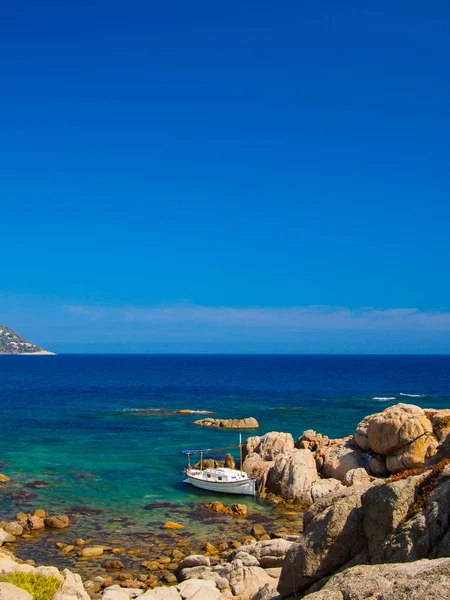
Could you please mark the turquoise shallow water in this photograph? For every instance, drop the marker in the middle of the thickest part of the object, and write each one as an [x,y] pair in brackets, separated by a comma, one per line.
[68,422]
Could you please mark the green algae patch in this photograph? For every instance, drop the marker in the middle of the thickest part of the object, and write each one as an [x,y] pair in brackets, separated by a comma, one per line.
[39,586]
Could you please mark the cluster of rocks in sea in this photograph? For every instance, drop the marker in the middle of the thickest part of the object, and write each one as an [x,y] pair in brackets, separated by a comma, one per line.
[247,423]
[376,522]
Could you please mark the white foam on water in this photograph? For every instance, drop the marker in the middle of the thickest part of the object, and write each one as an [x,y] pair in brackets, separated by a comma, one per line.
[384,398]
[412,395]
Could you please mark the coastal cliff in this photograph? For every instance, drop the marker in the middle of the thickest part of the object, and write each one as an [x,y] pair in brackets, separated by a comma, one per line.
[12,343]
[364,535]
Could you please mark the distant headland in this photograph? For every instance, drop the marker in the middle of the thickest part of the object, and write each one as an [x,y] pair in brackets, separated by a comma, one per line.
[12,343]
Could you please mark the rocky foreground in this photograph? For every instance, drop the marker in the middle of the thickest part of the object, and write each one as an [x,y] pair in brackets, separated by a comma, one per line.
[376,524]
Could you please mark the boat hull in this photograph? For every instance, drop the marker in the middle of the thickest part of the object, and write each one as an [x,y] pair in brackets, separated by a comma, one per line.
[245,488]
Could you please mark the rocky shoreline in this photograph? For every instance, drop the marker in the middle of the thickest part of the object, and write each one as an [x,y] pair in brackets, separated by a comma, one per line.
[376,524]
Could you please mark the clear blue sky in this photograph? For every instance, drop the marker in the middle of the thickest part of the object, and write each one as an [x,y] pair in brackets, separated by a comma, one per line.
[209,176]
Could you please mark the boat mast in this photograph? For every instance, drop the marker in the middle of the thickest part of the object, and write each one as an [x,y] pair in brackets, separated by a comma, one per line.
[240,452]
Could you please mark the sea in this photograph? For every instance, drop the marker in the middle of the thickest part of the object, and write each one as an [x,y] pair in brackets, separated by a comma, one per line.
[99,437]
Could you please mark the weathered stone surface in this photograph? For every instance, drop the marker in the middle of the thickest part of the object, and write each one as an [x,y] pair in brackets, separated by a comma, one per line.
[425,534]
[356,476]
[311,440]
[244,581]
[270,445]
[268,553]
[247,423]
[35,522]
[7,562]
[322,487]
[13,528]
[292,475]
[333,535]
[416,454]
[12,592]
[72,588]
[420,580]
[115,594]
[267,592]
[6,537]
[57,522]
[162,593]
[4,478]
[188,588]
[385,507]
[440,421]
[342,458]
[90,551]
[397,426]
[377,466]
[194,560]
[362,434]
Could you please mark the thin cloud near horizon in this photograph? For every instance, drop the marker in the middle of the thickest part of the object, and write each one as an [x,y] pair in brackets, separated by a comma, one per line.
[295,318]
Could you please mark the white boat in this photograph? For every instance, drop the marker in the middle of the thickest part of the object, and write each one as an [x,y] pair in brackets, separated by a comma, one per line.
[224,481]
[220,479]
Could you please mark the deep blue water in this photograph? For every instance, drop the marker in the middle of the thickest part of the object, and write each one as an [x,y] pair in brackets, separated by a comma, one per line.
[67,420]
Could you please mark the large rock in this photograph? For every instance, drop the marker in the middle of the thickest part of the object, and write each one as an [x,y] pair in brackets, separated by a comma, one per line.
[6,537]
[71,588]
[188,588]
[356,476]
[248,423]
[342,458]
[292,476]
[244,581]
[161,593]
[194,560]
[333,535]
[420,580]
[386,507]
[424,532]
[14,528]
[362,433]
[418,453]
[440,420]
[268,553]
[270,445]
[322,487]
[12,592]
[397,426]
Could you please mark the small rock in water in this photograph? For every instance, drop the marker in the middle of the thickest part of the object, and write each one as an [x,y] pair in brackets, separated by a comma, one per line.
[113,564]
[40,513]
[258,530]
[22,518]
[4,478]
[67,550]
[37,484]
[57,522]
[90,552]
[35,523]
[172,525]
[13,528]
